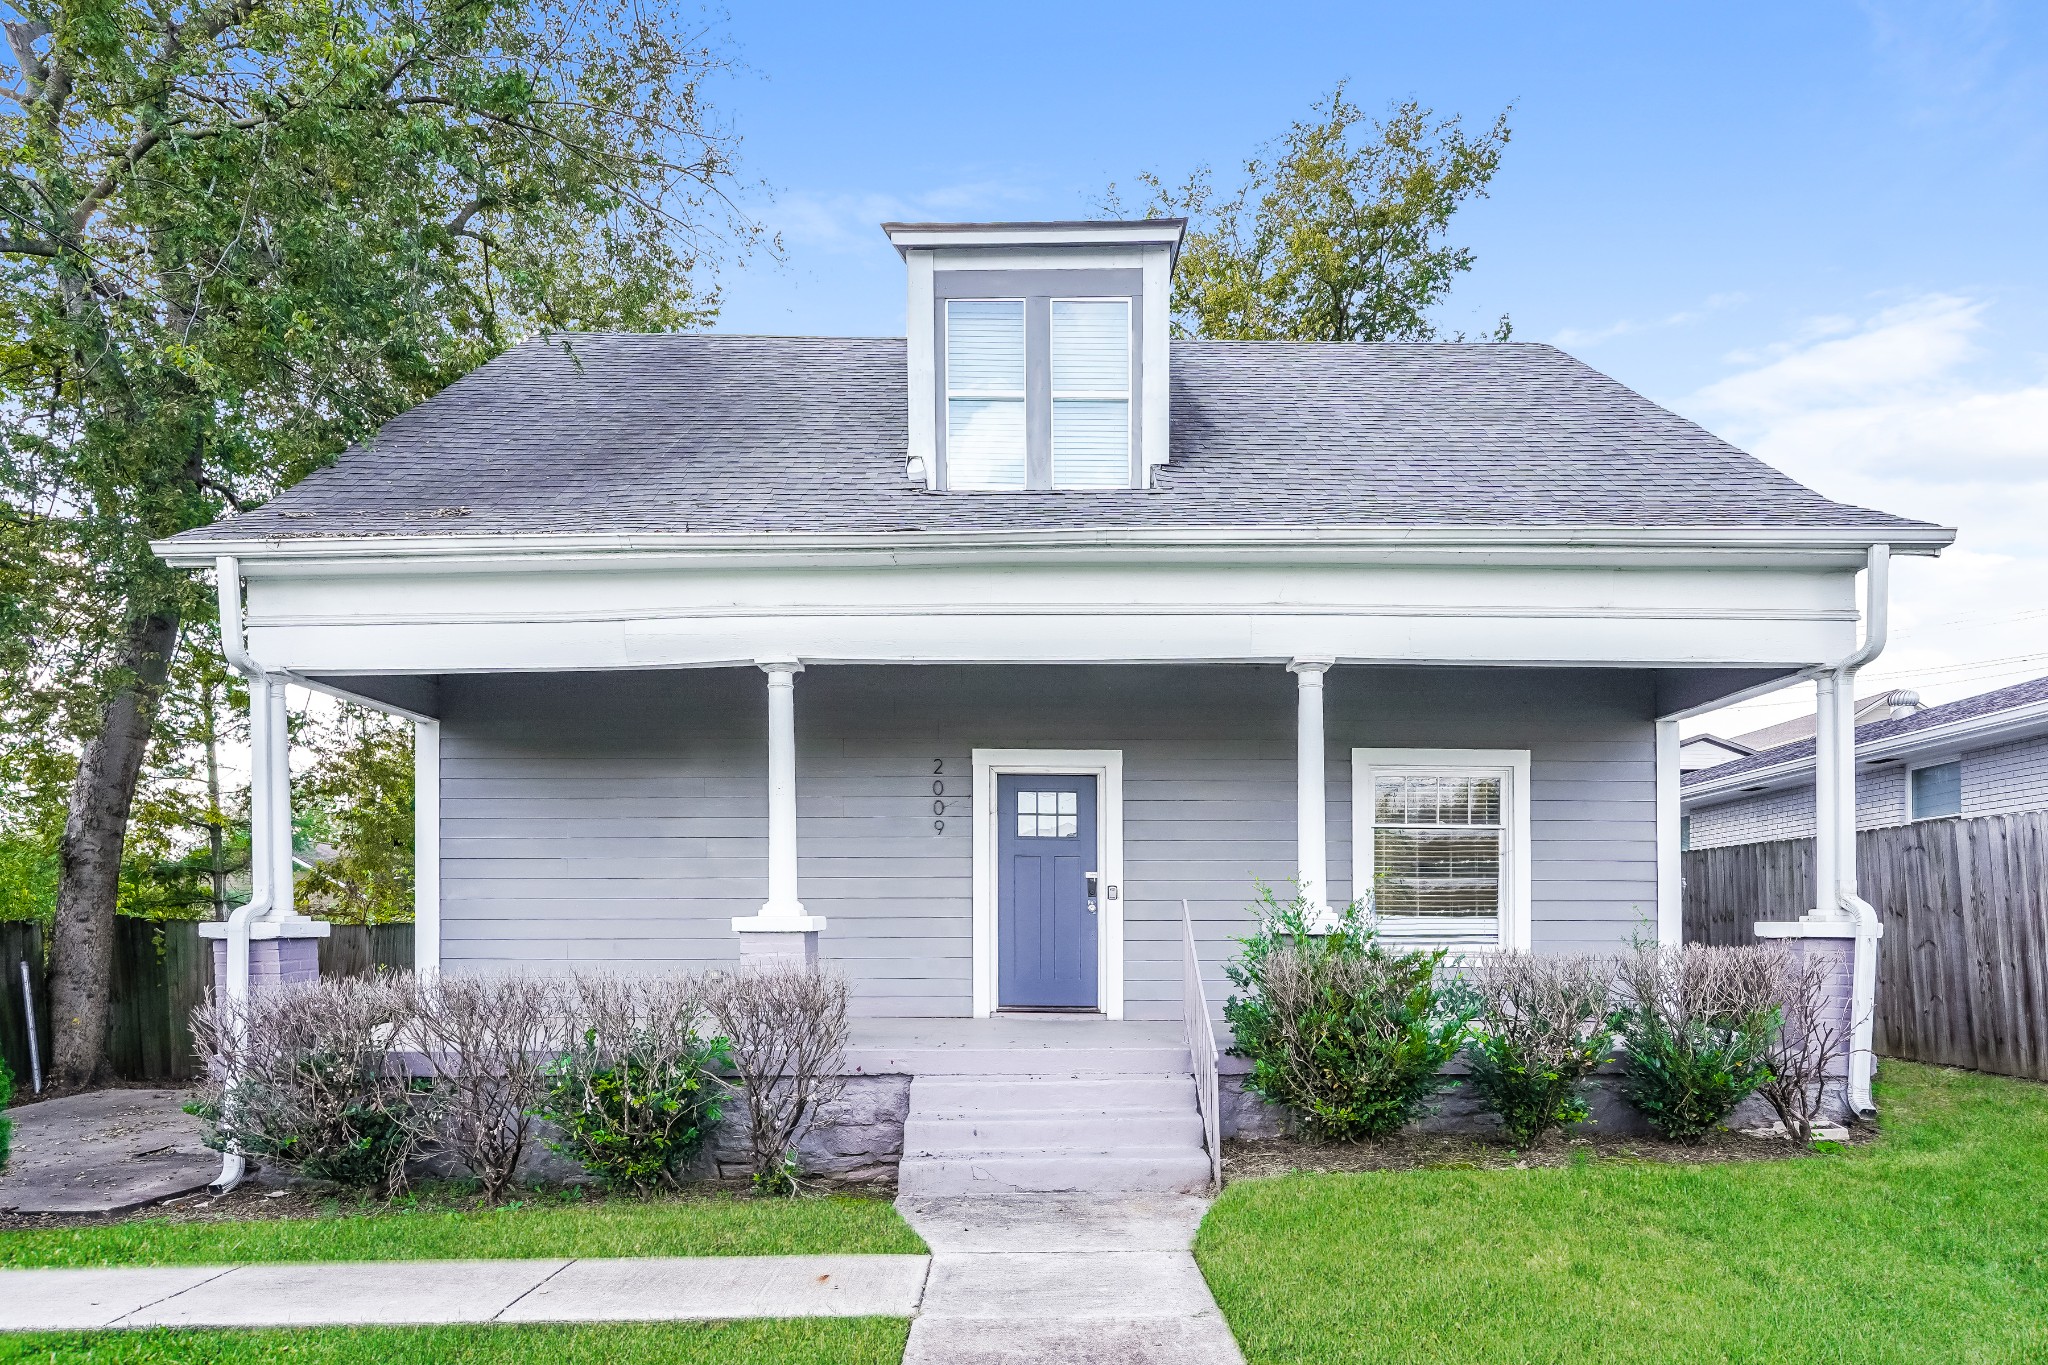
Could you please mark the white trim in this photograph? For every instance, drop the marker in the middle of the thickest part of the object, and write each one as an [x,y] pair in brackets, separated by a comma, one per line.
[909,237]
[1717,543]
[1156,399]
[1670,870]
[920,328]
[426,847]
[1516,883]
[1107,766]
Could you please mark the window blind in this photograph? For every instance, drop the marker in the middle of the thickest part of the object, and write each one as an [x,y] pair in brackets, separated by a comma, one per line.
[1091,393]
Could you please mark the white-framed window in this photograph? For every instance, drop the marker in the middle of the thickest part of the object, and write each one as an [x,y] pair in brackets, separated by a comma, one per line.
[1091,393]
[1934,791]
[985,393]
[1440,845]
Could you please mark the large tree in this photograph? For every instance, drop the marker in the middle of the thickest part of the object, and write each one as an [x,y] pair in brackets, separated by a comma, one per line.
[1340,232]
[235,234]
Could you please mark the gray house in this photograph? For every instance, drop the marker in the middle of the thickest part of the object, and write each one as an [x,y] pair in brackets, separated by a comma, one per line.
[966,660]
[1983,755]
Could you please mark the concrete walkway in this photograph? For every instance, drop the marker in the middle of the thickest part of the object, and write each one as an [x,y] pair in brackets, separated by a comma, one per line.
[1074,1279]
[391,1293]
[106,1151]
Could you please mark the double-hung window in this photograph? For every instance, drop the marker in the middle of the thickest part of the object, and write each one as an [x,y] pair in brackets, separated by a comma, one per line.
[1091,393]
[1937,790]
[985,393]
[1038,393]
[1440,842]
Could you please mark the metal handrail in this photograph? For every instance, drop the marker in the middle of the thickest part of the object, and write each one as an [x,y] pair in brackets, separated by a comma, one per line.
[1194,1009]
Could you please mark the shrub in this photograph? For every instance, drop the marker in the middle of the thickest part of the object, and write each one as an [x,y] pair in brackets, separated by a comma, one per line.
[1544,1024]
[635,1090]
[484,1041]
[299,1076]
[785,1022]
[1348,1033]
[6,1124]
[1810,1046]
[1698,1024]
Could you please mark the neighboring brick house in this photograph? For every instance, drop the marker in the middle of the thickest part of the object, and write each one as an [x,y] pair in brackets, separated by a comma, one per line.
[1984,755]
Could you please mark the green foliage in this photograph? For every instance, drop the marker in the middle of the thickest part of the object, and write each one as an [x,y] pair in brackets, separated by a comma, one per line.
[1339,234]
[634,1116]
[358,1142]
[1687,1080]
[360,789]
[28,877]
[1350,1034]
[1543,1025]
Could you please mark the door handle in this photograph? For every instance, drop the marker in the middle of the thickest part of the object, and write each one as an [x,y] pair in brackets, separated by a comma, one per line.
[1093,878]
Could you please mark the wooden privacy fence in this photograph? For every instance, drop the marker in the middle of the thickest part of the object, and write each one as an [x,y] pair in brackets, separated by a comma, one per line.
[162,970]
[1963,970]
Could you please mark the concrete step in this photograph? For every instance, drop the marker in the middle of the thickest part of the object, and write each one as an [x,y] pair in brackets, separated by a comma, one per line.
[1098,1133]
[1051,1060]
[970,1096]
[1164,1170]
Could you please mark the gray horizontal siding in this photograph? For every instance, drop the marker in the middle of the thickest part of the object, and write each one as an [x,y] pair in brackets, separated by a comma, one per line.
[620,818]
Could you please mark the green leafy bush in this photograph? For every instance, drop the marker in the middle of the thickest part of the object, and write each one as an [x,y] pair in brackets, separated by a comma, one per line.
[301,1077]
[1544,1024]
[1699,1024]
[1348,1033]
[636,1090]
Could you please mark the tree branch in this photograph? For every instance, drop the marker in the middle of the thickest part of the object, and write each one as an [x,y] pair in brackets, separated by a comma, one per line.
[28,246]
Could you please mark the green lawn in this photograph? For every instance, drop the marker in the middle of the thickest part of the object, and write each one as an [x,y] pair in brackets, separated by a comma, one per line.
[842,1341]
[1931,1245]
[720,1226]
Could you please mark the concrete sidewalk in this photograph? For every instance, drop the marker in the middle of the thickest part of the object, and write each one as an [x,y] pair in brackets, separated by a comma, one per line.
[1072,1279]
[392,1293]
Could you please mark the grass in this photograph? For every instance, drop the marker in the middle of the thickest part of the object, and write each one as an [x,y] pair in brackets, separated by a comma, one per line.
[715,1226]
[1931,1244]
[844,1341]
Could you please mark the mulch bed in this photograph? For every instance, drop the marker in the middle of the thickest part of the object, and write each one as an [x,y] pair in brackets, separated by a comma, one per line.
[1249,1160]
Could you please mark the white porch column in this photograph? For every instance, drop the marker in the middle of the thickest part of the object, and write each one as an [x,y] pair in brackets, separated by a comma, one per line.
[282,878]
[1311,824]
[1827,826]
[782,928]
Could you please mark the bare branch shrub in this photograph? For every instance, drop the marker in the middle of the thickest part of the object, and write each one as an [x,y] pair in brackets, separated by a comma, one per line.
[1699,1023]
[1544,1024]
[1811,1044]
[300,1076]
[635,1090]
[785,1023]
[485,1041]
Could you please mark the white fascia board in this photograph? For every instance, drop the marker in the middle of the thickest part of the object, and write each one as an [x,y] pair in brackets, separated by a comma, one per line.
[911,236]
[1843,547]
[1975,732]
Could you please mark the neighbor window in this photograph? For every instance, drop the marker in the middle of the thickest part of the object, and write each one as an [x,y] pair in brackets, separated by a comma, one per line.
[985,393]
[1440,836]
[1091,393]
[1937,790]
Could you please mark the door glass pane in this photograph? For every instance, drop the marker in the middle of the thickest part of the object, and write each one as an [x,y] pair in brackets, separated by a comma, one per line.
[1048,815]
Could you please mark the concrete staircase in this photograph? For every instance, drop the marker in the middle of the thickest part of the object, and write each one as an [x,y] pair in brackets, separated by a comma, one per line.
[1110,1121]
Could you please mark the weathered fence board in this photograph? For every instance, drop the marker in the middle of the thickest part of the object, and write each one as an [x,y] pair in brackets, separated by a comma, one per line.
[1963,974]
[366,949]
[162,970]
[22,942]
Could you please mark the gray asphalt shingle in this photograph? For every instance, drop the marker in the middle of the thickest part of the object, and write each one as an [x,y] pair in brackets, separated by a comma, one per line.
[711,433]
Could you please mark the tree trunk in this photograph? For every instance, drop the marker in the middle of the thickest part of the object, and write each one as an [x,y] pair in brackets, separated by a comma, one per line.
[95,830]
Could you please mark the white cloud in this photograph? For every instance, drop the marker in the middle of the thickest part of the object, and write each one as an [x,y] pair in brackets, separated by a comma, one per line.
[849,221]
[1893,411]
[1576,338]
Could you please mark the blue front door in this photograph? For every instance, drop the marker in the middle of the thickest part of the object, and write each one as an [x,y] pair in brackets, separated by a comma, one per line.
[1046,883]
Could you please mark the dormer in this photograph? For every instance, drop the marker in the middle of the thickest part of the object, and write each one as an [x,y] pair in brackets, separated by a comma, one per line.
[1038,353]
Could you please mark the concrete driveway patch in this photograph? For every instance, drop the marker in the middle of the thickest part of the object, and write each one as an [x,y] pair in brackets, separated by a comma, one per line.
[107,1151]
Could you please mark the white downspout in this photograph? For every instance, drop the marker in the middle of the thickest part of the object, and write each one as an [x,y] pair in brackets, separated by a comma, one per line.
[262,811]
[1863,974]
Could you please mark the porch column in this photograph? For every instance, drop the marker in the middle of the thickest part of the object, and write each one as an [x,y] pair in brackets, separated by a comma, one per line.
[1827,776]
[1311,832]
[782,929]
[283,877]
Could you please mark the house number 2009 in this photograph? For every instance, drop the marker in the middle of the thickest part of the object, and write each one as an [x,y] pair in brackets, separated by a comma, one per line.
[939,795]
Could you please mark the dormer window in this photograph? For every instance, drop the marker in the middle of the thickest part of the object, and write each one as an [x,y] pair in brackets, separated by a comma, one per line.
[1083,393]
[1037,353]
[1091,393]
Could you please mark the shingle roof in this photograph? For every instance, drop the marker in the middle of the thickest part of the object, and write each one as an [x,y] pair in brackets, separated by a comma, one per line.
[1984,704]
[713,433]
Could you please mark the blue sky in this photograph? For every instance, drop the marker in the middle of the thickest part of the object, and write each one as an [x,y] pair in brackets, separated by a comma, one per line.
[1819,228]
